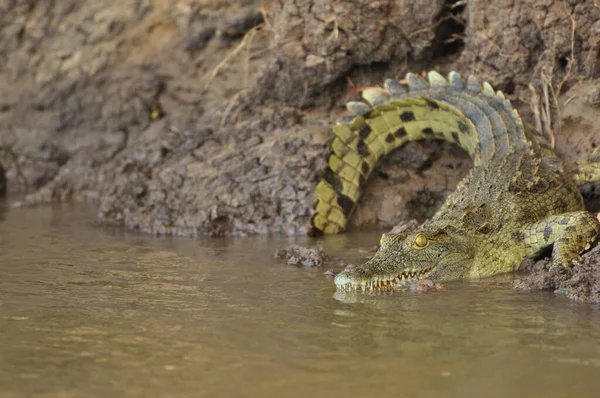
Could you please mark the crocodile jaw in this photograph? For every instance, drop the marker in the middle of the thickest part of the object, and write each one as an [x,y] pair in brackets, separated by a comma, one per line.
[348,281]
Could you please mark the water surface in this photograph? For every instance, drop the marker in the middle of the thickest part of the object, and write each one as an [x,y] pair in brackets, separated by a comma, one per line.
[88,311]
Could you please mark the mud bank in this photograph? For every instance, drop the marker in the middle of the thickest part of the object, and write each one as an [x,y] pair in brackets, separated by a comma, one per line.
[211,117]
[581,282]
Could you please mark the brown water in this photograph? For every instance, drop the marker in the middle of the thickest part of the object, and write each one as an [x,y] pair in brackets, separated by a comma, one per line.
[87,311]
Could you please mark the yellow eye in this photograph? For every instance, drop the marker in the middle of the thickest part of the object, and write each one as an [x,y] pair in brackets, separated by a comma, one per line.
[420,240]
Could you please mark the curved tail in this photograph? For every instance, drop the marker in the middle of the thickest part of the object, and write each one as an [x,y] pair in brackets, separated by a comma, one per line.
[473,116]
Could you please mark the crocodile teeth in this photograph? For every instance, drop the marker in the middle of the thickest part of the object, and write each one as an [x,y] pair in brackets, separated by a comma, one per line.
[375,97]
[416,83]
[473,85]
[358,108]
[456,81]
[500,95]
[396,89]
[436,80]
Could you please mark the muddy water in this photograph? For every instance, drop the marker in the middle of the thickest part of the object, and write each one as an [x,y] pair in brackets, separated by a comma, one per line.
[93,312]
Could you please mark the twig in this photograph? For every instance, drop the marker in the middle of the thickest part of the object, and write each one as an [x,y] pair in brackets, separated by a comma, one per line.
[229,107]
[245,41]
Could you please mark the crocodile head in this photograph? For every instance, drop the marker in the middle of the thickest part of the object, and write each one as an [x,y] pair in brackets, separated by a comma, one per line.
[404,257]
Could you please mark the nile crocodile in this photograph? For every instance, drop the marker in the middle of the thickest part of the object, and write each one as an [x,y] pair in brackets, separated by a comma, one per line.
[517,199]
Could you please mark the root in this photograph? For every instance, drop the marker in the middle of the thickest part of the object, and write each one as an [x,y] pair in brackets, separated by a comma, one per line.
[535,104]
[244,44]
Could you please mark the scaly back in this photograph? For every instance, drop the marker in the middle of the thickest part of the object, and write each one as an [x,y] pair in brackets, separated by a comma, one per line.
[476,118]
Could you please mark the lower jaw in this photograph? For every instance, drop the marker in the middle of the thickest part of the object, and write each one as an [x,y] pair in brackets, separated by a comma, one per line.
[384,286]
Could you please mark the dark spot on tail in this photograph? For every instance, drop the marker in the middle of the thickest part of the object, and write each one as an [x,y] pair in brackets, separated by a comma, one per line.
[407,116]
[427,131]
[333,180]
[463,127]
[431,103]
[547,233]
[364,132]
[314,231]
[400,133]
[389,138]
[456,137]
[365,167]
[362,149]
[346,204]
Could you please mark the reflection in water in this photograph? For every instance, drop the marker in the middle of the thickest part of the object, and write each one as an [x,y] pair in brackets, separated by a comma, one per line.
[89,311]
[3,207]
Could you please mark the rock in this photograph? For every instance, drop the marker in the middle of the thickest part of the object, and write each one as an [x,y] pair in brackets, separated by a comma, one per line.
[302,256]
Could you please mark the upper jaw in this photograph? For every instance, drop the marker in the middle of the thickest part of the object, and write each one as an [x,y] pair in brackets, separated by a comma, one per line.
[350,280]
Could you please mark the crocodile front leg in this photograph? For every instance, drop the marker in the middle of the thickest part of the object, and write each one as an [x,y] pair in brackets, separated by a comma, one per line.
[571,234]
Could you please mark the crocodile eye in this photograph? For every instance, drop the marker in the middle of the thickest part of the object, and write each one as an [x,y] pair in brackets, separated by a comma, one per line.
[420,241]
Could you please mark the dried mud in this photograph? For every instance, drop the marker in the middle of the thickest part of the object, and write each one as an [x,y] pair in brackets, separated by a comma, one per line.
[211,117]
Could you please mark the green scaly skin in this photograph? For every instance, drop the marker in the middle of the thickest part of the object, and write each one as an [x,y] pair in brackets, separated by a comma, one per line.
[517,200]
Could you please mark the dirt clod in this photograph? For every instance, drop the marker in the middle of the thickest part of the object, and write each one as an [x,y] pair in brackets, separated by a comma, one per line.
[303,256]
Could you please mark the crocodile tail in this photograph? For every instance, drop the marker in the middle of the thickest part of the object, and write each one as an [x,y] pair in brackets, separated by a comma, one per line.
[467,114]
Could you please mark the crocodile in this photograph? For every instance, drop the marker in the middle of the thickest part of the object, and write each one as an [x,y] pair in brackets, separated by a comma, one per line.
[518,199]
